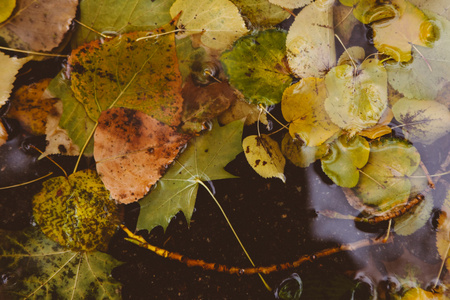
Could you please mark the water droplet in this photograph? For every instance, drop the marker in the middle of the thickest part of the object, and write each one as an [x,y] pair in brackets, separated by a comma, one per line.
[290,288]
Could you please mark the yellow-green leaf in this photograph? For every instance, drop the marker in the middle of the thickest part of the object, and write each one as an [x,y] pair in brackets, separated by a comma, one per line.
[443,232]
[291,4]
[261,13]
[7,9]
[299,154]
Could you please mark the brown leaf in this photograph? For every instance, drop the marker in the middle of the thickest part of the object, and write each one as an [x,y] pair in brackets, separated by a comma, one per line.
[132,151]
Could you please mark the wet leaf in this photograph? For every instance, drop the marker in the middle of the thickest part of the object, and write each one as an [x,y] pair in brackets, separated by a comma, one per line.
[132,151]
[256,66]
[352,55]
[303,108]
[3,134]
[30,108]
[204,159]
[189,57]
[264,156]
[219,20]
[76,212]
[356,97]
[381,128]
[239,110]
[419,293]
[261,13]
[423,121]
[310,41]
[38,25]
[344,22]
[120,16]
[370,11]
[10,68]
[117,73]
[429,70]
[443,232]
[416,218]
[7,9]
[345,157]
[299,154]
[37,267]
[74,118]
[291,4]
[441,7]
[384,180]
[395,37]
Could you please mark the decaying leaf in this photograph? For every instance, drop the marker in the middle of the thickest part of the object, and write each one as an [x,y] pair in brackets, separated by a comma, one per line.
[30,108]
[423,121]
[123,72]
[443,232]
[74,119]
[303,107]
[7,9]
[264,156]
[219,20]
[299,154]
[291,4]
[239,110]
[261,13]
[3,134]
[381,128]
[310,41]
[190,57]
[10,68]
[256,66]
[370,11]
[416,218]
[419,293]
[39,267]
[441,7]
[356,97]
[113,17]
[352,55]
[203,160]
[132,151]
[38,25]
[344,22]
[76,212]
[345,157]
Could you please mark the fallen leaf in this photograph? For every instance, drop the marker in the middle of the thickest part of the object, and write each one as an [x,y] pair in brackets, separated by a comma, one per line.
[344,22]
[356,97]
[419,293]
[256,66]
[219,20]
[132,151]
[443,232]
[39,267]
[422,121]
[381,128]
[7,9]
[441,7]
[352,55]
[291,4]
[310,41]
[3,134]
[117,73]
[10,68]
[76,212]
[264,156]
[189,57]
[299,154]
[239,110]
[203,160]
[38,25]
[303,107]
[261,13]
[345,157]
[370,11]
[30,109]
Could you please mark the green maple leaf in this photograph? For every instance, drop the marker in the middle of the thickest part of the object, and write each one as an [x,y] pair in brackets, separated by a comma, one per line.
[42,269]
[203,160]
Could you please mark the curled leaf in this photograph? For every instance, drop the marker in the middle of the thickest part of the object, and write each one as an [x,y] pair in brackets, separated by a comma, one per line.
[264,156]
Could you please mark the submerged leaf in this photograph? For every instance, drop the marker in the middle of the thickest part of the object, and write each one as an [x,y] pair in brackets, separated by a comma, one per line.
[132,151]
[416,218]
[239,110]
[370,11]
[39,267]
[264,156]
[299,154]
[344,159]
[117,73]
[443,232]
[303,108]
[256,66]
[356,97]
[203,160]
[76,212]
[423,121]
[10,68]
[310,41]
[261,13]
[218,20]
[190,58]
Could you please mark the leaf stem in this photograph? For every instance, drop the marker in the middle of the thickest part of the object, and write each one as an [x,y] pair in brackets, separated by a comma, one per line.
[33,52]
[84,147]
[25,183]
[50,159]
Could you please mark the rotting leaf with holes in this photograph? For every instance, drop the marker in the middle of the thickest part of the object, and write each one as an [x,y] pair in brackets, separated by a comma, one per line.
[256,66]
[422,121]
[123,72]
[219,20]
[40,267]
[261,13]
[38,25]
[299,154]
[132,151]
[443,232]
[113,17]
[344,159]
[10,68]
[303,107]
[264,156]
[310,41]
[203,160]
[357,97]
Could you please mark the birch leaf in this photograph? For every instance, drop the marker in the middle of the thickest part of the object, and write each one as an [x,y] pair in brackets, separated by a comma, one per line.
[203,160]
[255,66]
[441,7]
[310,41]
[291,4]
[264,156]
[303,107]
[38,267]
[356,98]
[10,68]
[370,11]
[219,20]
[261,13]
[415,219]
[423,121]
[299,154]
[443,232]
